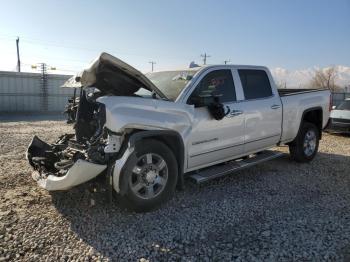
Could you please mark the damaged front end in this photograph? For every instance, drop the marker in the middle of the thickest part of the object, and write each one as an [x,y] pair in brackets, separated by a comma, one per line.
[60,166]
[74,158]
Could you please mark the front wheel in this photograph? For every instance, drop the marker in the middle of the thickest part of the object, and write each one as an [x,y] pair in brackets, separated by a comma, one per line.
[305,145]
[150,176]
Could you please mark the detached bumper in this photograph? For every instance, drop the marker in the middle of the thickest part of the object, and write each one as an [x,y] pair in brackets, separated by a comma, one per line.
[42,157]
[81,172]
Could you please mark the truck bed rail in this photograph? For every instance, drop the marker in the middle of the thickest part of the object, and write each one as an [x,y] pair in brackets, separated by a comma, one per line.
[296,91]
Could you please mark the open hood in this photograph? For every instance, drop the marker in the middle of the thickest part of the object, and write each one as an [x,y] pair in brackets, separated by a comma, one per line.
[112,76]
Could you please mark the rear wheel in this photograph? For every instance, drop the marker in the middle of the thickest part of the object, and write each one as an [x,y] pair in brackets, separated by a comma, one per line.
[150,176]
[305,145]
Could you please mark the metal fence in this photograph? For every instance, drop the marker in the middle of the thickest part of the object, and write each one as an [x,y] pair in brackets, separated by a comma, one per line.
[27,92]
[339,97]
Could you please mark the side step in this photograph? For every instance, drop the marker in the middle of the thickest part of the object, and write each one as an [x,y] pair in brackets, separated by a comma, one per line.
[220,170]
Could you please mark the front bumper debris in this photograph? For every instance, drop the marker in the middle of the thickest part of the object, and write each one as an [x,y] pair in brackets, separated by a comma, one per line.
[52,173]
[81,172]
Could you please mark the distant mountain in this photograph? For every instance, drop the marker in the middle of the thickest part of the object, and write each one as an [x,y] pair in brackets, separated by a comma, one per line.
[300,78]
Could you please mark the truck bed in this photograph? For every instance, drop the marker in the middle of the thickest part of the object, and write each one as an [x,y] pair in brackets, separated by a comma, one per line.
[296,91]
[297,101]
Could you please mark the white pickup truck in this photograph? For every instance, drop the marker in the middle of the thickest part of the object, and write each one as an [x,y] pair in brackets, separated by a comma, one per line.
[145,133]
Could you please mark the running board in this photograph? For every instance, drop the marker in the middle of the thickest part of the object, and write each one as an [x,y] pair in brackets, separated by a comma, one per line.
[220,170]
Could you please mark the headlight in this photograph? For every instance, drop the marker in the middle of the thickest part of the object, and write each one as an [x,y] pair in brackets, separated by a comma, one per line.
[113,144]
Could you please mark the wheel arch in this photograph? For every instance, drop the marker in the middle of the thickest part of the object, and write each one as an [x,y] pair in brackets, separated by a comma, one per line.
[313,115]
[170,138]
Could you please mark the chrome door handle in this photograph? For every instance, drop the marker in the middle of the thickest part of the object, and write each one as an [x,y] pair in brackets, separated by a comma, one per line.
[275,106]
[235,113]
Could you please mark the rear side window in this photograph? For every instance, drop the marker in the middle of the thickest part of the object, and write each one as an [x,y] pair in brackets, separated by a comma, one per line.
[255,83]
[218,82]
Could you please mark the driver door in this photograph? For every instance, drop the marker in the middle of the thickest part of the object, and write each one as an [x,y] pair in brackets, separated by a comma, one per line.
[213,141]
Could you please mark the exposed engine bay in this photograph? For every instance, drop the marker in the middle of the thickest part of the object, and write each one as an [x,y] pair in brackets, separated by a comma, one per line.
[90,144]
[92,147]
[71,108]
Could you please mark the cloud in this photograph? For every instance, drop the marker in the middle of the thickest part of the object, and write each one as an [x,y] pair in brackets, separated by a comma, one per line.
[300,78]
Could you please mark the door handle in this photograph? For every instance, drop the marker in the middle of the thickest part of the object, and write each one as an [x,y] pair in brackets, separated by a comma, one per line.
[235,113]
[275,106]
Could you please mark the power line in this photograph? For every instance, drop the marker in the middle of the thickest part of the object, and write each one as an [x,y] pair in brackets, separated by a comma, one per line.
[205,56]
[152,63]
[77,46]
[81,47]
[57,67]
[99,50]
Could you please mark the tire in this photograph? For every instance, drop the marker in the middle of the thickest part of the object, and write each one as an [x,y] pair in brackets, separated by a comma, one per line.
[143,175]
[308,135]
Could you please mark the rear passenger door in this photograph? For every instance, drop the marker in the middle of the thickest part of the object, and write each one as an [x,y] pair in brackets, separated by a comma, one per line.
[262,110]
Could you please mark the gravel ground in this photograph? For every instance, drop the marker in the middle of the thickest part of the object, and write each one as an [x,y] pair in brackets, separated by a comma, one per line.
[279,210]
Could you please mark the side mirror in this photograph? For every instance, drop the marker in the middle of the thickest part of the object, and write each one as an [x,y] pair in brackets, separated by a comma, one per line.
[204,99]
[199,101]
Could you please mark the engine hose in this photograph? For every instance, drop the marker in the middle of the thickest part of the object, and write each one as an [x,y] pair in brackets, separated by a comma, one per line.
[63,164]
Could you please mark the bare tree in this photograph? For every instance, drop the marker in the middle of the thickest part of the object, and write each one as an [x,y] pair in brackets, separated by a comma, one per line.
[325,79]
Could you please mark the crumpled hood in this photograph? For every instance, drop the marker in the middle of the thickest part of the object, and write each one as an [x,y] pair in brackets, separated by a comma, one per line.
[111,75]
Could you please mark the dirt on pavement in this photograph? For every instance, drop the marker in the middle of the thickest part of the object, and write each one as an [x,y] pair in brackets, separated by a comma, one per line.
[277,210]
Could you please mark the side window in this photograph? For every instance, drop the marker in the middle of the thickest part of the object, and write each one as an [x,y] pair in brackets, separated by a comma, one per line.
[220,82]
[255,83]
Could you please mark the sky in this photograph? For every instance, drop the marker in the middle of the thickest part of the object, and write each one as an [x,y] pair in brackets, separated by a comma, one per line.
[291,34]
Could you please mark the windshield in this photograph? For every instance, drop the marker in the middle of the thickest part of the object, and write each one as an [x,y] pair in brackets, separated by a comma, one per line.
[171,83]
[344,106]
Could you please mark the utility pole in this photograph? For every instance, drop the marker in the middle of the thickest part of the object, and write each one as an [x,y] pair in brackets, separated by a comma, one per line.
[44,87]
[43,67]
[227,61]
[152,63]
[18,60]
[205,56]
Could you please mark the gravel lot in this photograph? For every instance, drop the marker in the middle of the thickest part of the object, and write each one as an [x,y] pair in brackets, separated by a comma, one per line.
[279,210]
